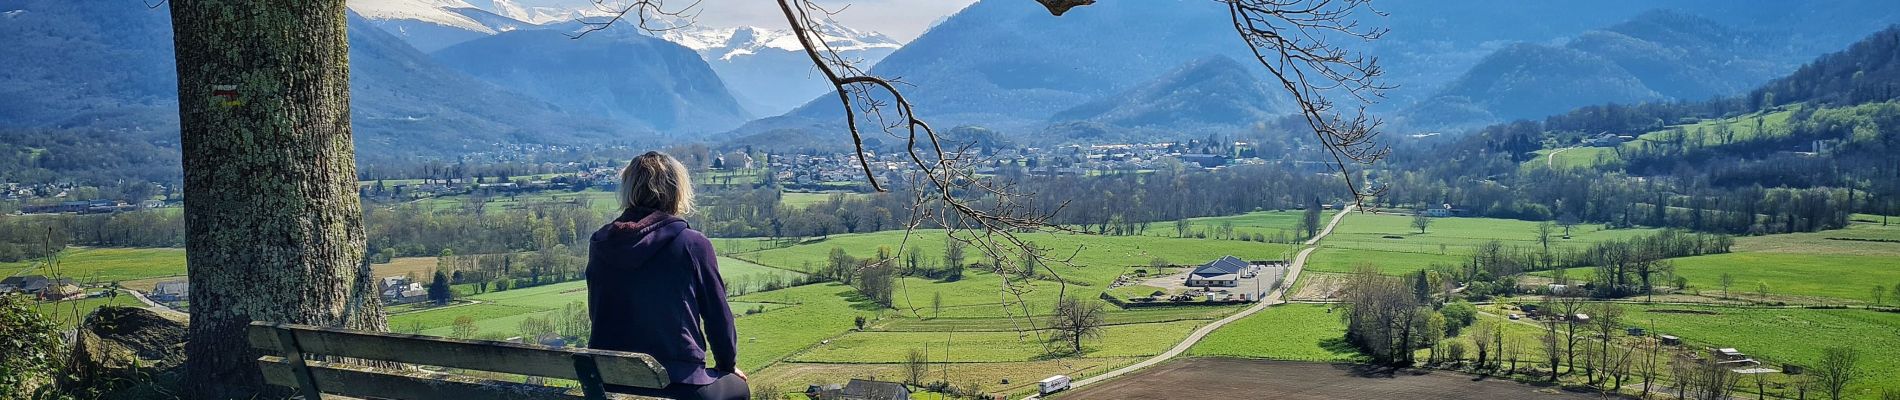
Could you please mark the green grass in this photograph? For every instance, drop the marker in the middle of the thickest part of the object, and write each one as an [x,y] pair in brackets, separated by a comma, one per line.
[1097,259]
[807,199]
[107,264]
[1012,324]
[1827,275]
[70,313]
[813,313]
[1577,157]
[1790,336]
[733,270]
[599,200]
[1268,223]
[1304,332]
[1798,264]
[1389,242]
[1743,127]
[1134,291]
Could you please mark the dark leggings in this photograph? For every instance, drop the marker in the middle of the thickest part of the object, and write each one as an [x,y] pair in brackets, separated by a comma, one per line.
[728,387]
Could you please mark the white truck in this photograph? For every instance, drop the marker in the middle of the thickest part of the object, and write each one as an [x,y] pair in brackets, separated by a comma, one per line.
[1053,384]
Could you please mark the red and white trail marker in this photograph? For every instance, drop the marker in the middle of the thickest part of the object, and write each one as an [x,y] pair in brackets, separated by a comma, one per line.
[228,92]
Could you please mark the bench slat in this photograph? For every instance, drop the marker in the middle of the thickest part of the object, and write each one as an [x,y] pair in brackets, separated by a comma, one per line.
[365,382]
[616,367]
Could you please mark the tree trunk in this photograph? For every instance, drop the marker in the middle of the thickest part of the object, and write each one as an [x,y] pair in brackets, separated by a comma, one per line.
[273,222]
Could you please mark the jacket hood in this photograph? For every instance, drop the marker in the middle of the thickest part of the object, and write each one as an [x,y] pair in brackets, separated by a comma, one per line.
[641,231]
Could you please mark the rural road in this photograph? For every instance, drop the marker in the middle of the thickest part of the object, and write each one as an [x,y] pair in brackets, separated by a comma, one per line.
[158,308]
[1550,160]
[1293,275]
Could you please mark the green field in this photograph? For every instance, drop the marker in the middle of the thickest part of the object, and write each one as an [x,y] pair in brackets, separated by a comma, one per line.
[70,313]
[1304,332]
[87,265]
[1744,128]
[1266,223]
[807,199]
[1789,336]
[1813,264]
[1389,242]
[1096,260]
[600,200]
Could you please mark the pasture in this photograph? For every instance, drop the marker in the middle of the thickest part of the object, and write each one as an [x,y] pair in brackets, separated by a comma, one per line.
[1743,127]
[1389,242]
[70,313]
[1297,332]
[101,265]
[1792,335]
[1266,223]
[1841,264]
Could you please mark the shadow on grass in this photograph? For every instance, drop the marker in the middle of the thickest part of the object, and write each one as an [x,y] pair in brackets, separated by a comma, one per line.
[1339,347]
[859,301]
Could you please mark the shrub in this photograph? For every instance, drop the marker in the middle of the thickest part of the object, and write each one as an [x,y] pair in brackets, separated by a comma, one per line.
[30,346]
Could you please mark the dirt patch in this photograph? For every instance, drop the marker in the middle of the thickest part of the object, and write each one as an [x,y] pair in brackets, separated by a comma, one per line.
[1318,286]
[1224,378]
[1022,376]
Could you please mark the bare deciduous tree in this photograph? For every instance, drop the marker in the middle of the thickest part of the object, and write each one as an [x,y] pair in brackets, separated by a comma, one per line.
[915,366]
[1838,367]
[1076,320]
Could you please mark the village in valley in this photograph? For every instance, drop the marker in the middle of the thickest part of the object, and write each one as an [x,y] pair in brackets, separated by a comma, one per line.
[1052,199]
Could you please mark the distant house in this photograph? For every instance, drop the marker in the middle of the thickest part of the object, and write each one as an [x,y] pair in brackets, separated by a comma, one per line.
[1205,160]
[1224,272]
[171,291]
[31,284]
[62,291]
[860,389]
[393,286]
[1607,139]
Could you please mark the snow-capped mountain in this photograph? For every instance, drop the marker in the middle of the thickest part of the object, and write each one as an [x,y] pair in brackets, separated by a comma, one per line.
[768,69]
[431,25]
[542,12]
[730,43]
[765,68]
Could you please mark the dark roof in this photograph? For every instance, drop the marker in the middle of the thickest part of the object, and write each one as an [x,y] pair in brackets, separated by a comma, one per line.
[1224,266]
[33,282]
[875,390]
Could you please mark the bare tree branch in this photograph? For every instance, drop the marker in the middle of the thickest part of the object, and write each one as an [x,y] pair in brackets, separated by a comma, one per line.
[1290,39]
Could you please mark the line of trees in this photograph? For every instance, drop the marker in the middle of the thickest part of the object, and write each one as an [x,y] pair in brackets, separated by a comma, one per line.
[1115,204]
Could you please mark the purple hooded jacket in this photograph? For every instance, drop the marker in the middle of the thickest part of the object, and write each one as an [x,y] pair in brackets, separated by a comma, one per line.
[651,282]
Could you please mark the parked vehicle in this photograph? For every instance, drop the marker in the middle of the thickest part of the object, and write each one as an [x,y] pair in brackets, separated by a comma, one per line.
[1053,384]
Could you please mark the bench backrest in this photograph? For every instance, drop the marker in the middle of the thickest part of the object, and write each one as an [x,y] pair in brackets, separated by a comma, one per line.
[287,364]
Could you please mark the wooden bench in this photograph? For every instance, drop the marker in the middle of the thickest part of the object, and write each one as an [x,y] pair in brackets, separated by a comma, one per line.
[294,353]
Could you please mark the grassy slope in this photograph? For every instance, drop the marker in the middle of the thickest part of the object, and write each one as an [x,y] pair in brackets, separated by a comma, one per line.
[1790,335]
[1743,126]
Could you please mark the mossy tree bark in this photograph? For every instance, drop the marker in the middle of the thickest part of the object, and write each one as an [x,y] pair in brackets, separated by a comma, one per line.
[273,222]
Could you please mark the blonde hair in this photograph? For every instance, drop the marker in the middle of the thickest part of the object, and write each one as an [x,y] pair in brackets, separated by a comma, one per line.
[657,181]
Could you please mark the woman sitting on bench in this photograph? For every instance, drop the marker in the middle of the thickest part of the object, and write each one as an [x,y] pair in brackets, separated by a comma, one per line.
[652,281]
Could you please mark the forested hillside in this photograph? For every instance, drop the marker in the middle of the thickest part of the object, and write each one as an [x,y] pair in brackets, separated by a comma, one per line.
[1656,56]
[1801,153]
